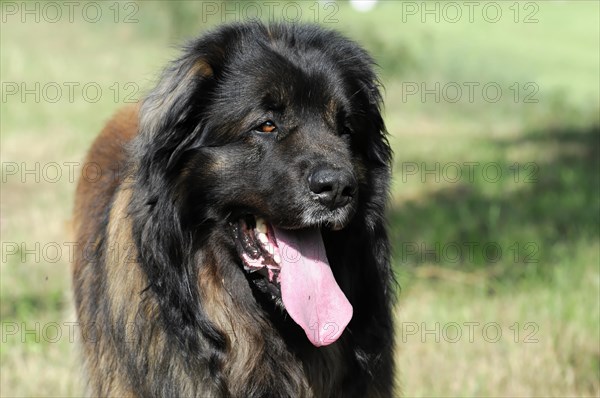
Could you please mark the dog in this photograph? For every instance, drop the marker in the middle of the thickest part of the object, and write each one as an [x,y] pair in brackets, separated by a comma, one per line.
[233,237]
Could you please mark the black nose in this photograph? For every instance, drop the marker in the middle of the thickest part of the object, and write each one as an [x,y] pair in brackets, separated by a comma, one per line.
[334,188]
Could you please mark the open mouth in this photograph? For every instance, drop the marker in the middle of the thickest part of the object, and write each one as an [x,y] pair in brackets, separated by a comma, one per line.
[257,247]
[294,265]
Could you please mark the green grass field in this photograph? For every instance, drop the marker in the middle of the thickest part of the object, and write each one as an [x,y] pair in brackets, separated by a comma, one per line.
[494,214]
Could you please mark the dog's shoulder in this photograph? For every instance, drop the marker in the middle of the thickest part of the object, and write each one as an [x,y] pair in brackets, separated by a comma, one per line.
[103,170]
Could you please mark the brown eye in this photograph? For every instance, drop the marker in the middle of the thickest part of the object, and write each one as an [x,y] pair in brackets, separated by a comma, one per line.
[267,127]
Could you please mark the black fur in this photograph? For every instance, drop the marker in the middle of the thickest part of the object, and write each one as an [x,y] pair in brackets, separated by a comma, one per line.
[198,163]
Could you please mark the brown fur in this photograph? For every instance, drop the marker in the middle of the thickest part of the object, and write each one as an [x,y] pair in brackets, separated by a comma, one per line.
[125,281]
[93,197]
[246,343]
[235,343]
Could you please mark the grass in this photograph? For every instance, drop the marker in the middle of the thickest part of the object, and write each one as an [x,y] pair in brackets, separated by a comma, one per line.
[545,346]
[516,255]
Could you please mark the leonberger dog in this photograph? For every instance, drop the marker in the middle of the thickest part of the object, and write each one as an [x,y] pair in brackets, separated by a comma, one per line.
[233,232]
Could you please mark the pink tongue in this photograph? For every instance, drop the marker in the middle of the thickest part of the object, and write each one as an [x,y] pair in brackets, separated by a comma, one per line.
[308,289]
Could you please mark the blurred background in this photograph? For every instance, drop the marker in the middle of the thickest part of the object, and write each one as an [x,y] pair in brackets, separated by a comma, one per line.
[493,114]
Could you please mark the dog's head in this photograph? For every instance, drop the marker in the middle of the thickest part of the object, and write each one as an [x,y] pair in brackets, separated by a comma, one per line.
[263,137]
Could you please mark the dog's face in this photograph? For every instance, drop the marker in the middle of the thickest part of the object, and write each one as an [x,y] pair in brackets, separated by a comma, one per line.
[283,136]
[281,147]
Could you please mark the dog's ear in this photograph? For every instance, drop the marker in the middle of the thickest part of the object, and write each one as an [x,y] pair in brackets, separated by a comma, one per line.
[357,68]
[368,107]
[372,284]
[378,147]
[172,114]
[172,120]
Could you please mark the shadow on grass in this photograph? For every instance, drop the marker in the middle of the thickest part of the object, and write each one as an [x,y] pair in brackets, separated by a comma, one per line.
[514,229]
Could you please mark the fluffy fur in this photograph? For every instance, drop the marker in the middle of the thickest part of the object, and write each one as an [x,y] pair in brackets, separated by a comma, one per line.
[164,302]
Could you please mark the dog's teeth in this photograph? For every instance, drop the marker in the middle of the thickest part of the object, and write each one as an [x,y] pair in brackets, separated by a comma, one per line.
[263,238]
[269,248]
[277,258]
[261,226]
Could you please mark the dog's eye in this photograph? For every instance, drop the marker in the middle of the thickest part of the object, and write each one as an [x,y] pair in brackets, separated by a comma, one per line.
[267,127]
